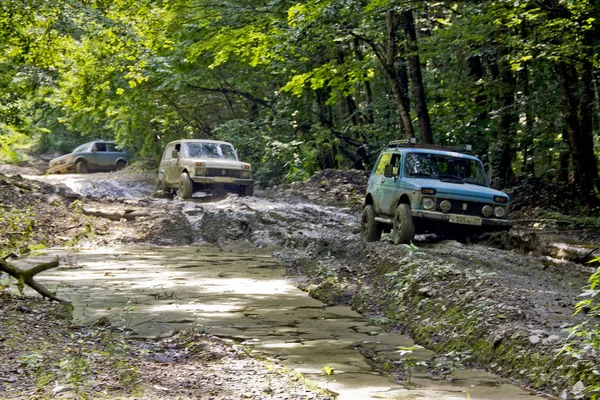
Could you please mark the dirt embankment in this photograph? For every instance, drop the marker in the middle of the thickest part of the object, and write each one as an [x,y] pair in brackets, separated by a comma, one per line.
[499,301]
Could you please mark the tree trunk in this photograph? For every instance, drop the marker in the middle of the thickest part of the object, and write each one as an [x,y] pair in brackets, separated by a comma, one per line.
[416,78]
[578,117]
[502,151]
[398,84]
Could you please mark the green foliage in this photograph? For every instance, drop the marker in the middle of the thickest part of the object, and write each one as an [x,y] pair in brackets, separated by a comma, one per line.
[408,361]
[16,229]
[297,87]
[584,341]
[12,144]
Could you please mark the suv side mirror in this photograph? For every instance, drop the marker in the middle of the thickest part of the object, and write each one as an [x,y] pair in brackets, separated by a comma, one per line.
[388,172]
[175,154]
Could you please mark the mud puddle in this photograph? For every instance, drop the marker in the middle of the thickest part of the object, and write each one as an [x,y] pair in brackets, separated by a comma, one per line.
[103,184]
[243,296]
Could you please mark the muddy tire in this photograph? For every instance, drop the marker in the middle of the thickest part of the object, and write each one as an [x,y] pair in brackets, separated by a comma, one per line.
[186,186]
[120,165]
[403,228]
[370,230]
[247,190]
[161,183]
[81,167]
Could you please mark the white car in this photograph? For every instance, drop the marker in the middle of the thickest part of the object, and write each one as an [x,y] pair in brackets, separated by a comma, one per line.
[208,166]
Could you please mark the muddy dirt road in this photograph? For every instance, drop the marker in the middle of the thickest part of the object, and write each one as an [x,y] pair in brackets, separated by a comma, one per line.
[516,293]
[242,296]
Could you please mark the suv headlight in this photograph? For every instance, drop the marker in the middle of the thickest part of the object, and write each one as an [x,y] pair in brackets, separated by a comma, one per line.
[487,211]
[500,212]
[200,171]
[246,174]
[428,203]
[445,205]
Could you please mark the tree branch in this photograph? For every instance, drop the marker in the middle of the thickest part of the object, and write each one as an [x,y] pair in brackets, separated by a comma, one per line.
[25,276]
[245,95]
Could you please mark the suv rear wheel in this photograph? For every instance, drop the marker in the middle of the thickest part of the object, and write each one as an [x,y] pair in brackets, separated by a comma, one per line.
[161,183]
[403,230]
[370,230]
[186,186]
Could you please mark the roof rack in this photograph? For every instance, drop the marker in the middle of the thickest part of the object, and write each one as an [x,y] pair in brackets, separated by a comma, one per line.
[412,142]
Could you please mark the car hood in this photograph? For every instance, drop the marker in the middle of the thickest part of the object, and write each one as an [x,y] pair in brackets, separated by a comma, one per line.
[457,190]
[61,159]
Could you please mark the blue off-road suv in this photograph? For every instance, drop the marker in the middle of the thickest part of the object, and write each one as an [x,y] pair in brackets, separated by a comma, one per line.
[419,188]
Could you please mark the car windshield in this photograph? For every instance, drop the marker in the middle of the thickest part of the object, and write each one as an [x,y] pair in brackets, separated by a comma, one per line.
[210,150]
[444,167]
[82,148]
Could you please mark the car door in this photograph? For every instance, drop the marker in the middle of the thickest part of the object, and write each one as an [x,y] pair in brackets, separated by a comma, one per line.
[172,169]
[390,186]
[112,155]
[378,179]
[102,158]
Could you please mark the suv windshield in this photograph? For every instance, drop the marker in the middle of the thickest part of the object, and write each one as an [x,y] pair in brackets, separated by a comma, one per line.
[445,168]
[210,150]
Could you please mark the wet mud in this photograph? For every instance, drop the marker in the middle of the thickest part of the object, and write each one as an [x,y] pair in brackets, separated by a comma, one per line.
[242,295]
[508,298]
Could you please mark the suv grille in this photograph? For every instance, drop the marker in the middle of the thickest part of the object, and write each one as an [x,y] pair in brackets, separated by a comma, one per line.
[458,207]
[231,173]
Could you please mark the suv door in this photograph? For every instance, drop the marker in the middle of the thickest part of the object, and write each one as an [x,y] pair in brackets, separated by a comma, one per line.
[167,164]
[378,179]
[390,186]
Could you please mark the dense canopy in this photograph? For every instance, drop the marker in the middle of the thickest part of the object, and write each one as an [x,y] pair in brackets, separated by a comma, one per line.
[301,86]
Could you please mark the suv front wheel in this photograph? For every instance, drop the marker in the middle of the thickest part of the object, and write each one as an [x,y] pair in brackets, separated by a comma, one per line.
[186,186]
[370,230]
[403,230]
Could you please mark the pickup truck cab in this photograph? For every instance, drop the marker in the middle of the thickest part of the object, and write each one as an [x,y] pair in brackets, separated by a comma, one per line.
[418,188]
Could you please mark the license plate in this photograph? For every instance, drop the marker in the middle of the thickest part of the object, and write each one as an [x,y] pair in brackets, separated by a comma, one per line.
[459,219]
[224,179]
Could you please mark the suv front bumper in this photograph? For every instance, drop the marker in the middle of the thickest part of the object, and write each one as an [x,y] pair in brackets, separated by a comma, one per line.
[466,220]
[222,179]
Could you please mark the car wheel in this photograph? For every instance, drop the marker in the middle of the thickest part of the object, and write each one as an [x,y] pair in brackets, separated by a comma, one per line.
[161,183]
[370,230]
[403,230]
[247,190]
[81,167]
[120,165]
[186,186]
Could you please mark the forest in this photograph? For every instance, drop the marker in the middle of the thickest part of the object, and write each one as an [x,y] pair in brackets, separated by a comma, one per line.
[299,87]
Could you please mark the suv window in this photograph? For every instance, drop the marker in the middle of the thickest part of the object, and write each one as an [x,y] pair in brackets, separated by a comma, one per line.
[383,161]
[444,167]
[81,148]
[112,147]
[99,146]
[396,162]
[210,150]
[168,152]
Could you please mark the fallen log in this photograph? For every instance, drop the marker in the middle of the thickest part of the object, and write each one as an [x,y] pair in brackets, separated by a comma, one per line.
[129,215]
[25,277]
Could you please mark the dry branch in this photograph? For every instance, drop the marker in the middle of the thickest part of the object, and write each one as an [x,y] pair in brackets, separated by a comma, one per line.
[25,277]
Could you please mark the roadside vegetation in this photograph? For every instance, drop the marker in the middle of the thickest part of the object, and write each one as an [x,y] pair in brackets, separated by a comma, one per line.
[305,88]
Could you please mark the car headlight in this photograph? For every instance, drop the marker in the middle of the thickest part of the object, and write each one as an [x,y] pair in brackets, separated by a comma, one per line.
[445,206]
[246,174]
[500,212]
[487,211]
[200,171]
[428,203]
